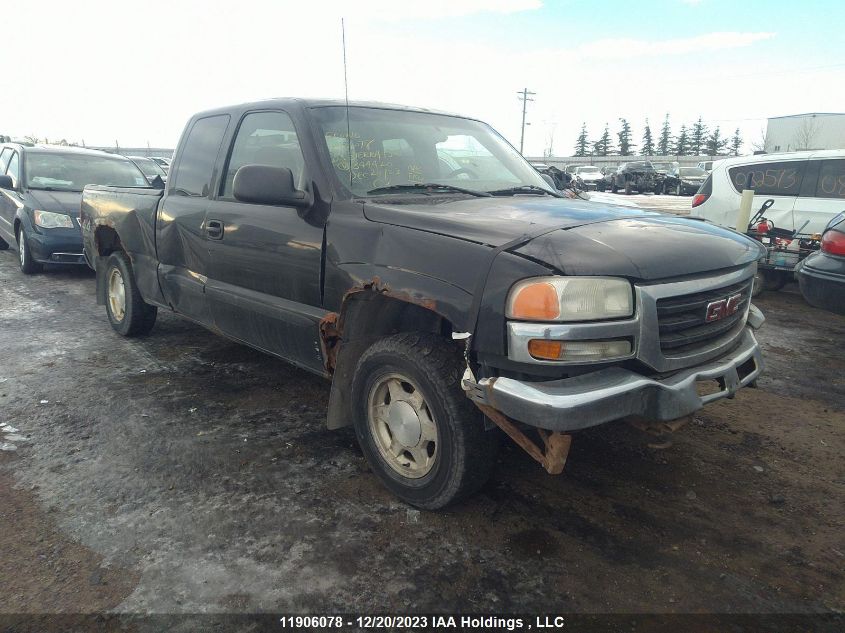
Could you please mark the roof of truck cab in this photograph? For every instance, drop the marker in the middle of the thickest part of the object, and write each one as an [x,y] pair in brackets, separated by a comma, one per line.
[323,103]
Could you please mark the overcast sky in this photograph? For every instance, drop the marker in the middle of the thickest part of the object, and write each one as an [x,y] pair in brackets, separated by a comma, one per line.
[134,72]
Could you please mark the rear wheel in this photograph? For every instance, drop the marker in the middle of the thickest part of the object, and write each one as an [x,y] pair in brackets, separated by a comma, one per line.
[28,265]
[420,434]
[128,313]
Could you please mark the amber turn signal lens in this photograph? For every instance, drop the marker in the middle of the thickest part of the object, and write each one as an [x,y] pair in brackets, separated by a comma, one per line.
[545,350]
[536,301]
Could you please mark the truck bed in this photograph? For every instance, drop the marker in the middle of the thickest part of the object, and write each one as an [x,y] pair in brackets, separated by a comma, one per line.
[131,213]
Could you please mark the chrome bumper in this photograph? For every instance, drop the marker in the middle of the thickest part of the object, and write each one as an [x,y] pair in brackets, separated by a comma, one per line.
[611,394]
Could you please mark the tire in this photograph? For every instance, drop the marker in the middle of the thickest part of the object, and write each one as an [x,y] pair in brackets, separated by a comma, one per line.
[4,245]
[128,313]
[679,190]
[28,265]
[614,188]
[429,446]
[769,280]
[628,188]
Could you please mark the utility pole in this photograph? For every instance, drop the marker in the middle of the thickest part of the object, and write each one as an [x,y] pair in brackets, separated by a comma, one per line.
[524,96]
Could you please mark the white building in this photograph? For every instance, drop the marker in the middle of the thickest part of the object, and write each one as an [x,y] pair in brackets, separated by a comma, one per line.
[813,130]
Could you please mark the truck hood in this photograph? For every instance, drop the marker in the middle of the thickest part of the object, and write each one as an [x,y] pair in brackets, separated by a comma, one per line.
[67,202]
[494,221]
[644,248]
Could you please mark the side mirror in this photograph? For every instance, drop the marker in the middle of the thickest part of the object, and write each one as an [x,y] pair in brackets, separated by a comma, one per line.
[263,184]
[6,182]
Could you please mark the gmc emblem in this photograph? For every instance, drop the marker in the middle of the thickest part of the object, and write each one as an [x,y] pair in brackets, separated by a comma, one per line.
[723,308]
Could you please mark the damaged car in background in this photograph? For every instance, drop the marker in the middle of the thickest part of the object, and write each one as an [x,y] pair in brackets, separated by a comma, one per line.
[443,303]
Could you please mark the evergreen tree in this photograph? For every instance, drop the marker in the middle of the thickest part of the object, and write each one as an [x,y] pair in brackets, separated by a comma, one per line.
[581,144]
[624,136]
[736,143]
[698,137]
[664,144]
[648,141]
[602,147]
[682,142]
[716,144]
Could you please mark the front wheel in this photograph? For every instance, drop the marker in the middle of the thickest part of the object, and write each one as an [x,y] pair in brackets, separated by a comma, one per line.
[128,313]
[628,188]
[420,434]
[28,265]
[679,190]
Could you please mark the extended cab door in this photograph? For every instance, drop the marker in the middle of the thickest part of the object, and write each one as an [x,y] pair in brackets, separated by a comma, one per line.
[264,279]
[181,245]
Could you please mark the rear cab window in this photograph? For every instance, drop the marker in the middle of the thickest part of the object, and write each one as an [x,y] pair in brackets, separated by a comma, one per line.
[193,175]
[780,178]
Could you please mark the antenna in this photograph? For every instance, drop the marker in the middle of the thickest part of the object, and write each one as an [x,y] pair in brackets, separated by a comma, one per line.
[346,96]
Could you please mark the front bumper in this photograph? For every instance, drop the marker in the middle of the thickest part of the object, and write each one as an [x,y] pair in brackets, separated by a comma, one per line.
[56,246]
[615,393]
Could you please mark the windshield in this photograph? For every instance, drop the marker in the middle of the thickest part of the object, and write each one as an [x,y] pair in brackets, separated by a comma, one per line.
[587,170]
[393,148]
[692,171]
[150,168]
[71,172]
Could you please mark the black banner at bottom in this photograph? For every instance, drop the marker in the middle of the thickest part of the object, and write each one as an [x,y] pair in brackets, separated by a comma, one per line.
[550,623]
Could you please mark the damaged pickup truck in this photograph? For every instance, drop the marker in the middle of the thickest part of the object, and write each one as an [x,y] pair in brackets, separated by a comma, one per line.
[417,261]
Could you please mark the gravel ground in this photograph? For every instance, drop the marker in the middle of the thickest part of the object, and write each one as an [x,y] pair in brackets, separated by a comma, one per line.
[184,473]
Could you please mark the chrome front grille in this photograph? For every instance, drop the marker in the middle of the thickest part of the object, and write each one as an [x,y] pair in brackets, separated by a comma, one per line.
[682,320]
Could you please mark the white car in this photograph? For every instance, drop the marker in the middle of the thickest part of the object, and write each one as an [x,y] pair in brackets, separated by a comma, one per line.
[808,189]
[589,175]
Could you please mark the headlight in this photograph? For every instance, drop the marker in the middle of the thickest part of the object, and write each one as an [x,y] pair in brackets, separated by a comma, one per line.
[570,299]
[50,220]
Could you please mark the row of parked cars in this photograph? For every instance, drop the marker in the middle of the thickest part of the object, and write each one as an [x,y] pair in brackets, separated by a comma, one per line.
[640,176]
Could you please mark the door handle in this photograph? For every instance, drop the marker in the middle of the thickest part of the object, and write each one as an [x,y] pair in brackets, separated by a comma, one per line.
[214,229]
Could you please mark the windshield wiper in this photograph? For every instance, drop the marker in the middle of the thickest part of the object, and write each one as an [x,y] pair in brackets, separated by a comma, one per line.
[524,189]
[422,186]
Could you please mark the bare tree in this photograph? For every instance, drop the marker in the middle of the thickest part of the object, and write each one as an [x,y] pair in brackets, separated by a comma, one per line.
[759,145]
[805,136]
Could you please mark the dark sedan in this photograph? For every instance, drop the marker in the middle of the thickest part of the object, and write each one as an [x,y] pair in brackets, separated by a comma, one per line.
[683,180]
[821,276]
[40,192]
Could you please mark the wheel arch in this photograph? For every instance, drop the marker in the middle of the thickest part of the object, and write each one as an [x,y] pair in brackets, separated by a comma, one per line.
[379,307]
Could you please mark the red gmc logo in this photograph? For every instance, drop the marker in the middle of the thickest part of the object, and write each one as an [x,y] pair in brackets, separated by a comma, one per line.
[723,308]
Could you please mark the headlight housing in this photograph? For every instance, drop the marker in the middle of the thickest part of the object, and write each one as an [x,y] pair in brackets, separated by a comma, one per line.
[570,299]
[50,220]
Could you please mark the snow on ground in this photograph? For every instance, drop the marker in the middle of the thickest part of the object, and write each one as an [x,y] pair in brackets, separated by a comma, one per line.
[679,205]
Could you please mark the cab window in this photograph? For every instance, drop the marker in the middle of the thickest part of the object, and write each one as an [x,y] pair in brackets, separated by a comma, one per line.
[196,165]
[265,138]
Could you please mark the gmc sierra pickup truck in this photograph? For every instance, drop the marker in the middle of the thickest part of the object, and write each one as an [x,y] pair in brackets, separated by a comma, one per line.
[416,260]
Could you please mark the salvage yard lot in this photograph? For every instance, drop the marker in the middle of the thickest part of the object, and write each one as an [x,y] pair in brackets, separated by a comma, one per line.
[183,472]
